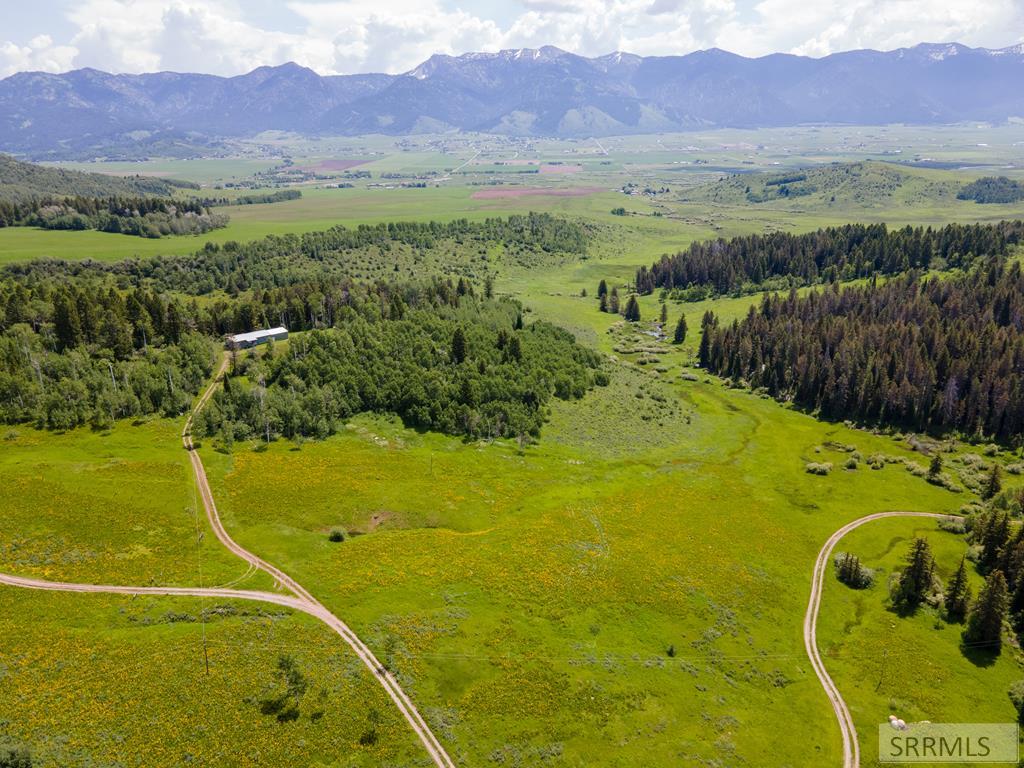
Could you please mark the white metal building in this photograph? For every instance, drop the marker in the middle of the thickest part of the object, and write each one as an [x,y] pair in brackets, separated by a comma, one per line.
[252,338]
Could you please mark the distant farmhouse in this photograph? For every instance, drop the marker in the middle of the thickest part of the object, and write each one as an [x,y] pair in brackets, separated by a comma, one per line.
[253,338]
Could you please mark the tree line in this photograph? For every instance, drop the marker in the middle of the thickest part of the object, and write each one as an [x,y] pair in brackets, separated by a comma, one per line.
[462,365]
[781,259]
[276,261]
[256,198]
[90,354]
[992,189]
[442,354]
[140,216]
[997,549]
[920,353]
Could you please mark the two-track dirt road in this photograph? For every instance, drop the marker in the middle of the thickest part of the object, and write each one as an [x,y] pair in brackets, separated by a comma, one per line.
[851,749]
[300,599]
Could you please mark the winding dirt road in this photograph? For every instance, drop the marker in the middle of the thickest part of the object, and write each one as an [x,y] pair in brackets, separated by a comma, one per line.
[851,749]
[300,600]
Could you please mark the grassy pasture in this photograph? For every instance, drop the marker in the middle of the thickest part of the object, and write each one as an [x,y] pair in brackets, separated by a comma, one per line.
[100,680]
[528,600]
[910,666]
[115,507]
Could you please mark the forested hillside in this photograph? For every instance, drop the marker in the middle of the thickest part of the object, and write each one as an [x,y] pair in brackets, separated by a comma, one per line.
[441,361]
[865,185]
[90,343]
[993,189]
[54,198]
[925,354]
[405,250]
[781,259]
[141,216]
[25,181]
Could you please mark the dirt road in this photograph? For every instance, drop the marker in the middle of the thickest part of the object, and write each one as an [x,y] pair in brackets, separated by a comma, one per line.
[851,749]
[300,599]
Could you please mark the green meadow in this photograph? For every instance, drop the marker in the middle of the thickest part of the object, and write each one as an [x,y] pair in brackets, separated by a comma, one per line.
[912,667]
[89,680]
[627,590]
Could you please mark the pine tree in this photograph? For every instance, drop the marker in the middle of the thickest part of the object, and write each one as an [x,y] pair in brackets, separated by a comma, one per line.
[603,304]
[663,318]
[515,349]
[458,346]
[66,322]
[680,335]
[708,323]
[916,580]
[175,322]
[633,310]
[602,289]
[935,467]
[994,483]
[851,572]
[985,620]
[1017,601]
[958,594]
[613,303]
[993,534]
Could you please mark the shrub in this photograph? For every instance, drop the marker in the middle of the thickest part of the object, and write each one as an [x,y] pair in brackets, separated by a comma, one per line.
[336,535]
[1016,694]
[368,738]
[14,756]
[837,446]
[953,524]
[851,572]
[916,469]
[876,460]
[818,468]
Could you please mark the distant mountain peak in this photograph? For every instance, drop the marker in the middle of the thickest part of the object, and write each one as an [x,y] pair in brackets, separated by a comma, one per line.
[542,91]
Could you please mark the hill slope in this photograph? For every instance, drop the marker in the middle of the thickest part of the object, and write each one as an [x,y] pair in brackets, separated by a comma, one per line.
[23,181]
[545,92]
[864,185]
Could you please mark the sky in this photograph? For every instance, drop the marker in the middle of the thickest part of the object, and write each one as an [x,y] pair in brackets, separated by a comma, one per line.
[229,37]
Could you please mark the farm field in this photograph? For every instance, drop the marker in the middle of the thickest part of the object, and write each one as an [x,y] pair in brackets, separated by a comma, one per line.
[627,590]
[674,165]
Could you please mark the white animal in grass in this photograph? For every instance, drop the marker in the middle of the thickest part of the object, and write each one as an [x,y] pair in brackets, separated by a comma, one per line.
[895,722]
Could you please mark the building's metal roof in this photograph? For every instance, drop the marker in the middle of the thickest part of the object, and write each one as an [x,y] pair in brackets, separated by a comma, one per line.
[257,335]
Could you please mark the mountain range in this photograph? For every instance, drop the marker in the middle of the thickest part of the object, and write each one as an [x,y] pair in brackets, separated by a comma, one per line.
[524,92]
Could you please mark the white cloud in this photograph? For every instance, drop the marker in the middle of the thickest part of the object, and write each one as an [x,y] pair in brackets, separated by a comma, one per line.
[39,54]
[342,36]
[826,26]
[394,36]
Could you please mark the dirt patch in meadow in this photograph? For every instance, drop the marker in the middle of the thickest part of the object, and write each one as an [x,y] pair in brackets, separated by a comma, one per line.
[555,168]
[376,520]
[496,194]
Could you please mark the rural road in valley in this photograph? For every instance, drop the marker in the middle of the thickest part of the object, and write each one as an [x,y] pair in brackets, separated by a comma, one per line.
[851,749]
[300,600]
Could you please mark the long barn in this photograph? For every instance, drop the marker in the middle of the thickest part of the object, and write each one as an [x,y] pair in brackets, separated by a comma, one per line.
[254,338]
